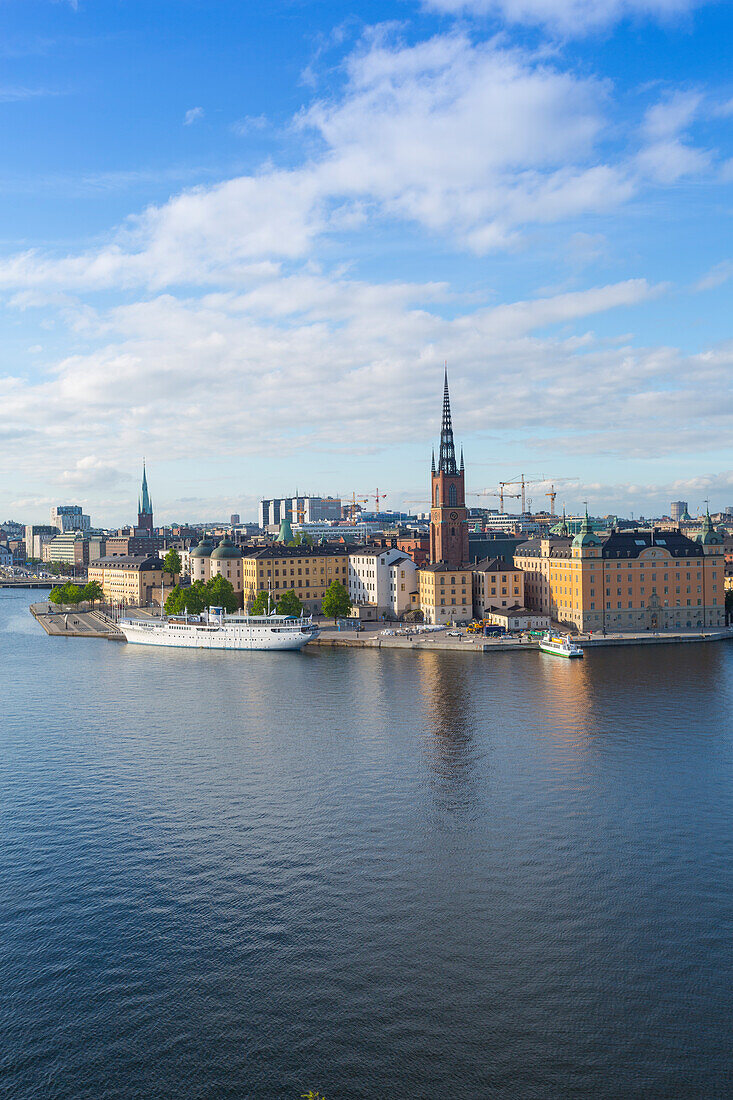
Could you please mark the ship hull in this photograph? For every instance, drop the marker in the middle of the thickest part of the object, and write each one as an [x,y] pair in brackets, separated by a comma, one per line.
[228,637]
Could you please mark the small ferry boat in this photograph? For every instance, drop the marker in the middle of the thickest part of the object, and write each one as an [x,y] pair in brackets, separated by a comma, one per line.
[216,630]
[561,647]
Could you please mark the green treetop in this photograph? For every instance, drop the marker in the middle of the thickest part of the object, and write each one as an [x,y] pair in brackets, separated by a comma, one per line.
[289,604]
[172,563]
[336,603]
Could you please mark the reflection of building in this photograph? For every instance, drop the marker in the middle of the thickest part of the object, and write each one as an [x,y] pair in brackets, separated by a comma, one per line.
[134,581]
[307,570]
[627,581]
[383,578]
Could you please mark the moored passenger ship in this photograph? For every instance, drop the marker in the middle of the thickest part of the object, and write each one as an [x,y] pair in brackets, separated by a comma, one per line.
[216,630]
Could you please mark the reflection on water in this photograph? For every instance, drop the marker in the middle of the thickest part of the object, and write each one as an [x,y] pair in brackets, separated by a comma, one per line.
[372,872]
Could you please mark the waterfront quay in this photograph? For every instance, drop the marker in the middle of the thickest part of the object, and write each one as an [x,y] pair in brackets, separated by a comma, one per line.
[95,624]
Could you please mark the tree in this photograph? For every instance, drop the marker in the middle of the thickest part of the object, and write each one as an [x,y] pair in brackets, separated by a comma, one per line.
[261,604]
[172,563]
[92,591]
[66,594]
[336,603]
[220,593]
[289,604]
[192,599]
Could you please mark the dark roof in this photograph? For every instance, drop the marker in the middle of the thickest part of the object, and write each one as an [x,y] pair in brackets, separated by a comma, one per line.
[629,544]
[441,567]
[495,565]
[269,552]
[140,561]
[620,544]
[560,547]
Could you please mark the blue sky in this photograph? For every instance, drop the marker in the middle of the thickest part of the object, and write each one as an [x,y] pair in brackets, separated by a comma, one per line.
[242,239]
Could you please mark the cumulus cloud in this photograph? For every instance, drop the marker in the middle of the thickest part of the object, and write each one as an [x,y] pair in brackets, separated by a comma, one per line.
[568,17]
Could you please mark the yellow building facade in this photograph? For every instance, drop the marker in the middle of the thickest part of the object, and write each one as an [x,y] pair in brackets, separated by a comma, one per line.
[445,594]
[308,571]
[626,581]
[131,581]
[496,585]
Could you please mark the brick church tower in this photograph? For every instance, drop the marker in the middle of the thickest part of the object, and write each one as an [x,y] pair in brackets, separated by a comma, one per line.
[448,513]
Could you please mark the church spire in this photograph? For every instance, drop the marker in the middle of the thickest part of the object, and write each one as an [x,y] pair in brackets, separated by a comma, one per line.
[447,464]
[145,508]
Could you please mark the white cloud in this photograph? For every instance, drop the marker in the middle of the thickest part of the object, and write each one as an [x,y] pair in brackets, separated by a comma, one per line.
[717,275]
[568,17]
[193,115]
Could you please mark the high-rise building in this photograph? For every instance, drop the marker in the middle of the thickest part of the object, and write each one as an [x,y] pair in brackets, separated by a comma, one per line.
[299,509]
[448,513]
[678,509]
[234,519]
[145,507]
[69,517]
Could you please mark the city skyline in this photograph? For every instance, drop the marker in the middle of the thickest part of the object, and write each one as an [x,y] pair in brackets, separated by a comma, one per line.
[254,276]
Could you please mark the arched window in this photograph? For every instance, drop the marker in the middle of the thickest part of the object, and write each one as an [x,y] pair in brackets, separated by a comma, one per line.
[452,496]
[437,494]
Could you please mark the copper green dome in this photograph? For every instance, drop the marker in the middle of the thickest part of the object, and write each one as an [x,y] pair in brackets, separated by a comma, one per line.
[709,536]
[203,550]
[226,549]
[285,534]
[586,536]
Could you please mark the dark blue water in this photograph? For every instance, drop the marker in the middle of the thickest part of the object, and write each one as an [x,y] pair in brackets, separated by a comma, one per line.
[382,875]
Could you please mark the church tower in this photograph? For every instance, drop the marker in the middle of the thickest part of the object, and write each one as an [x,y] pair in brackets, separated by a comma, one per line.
[448,512]
[145,507]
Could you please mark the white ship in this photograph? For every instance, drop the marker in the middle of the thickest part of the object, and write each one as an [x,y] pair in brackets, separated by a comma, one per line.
[561,647]
[216,630]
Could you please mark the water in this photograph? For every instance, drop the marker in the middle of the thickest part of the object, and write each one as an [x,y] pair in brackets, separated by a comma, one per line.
[382,875]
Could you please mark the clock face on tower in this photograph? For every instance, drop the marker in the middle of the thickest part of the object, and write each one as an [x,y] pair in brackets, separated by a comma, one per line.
[454,515]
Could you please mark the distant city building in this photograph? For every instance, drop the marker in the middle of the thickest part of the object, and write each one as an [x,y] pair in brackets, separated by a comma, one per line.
[678,509]
[70,548]
[349,532]
[299,509]
[234,519]
[643,579]
[6,555]
[69,517]
[36,535]
[137,544]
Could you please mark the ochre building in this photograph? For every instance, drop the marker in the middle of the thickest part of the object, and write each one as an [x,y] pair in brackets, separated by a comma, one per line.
[308,571]
[445,594]
[132,581]
[627,580]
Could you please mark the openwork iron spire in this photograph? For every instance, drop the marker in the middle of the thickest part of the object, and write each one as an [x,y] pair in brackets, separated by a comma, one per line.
[447,464]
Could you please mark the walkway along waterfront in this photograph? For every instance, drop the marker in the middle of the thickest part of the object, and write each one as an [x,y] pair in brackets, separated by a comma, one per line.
[94,624]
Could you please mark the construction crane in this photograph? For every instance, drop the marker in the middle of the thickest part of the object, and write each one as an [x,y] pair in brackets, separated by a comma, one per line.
[501,495]
[552,495]
[377,497]
[353,503]
[517,481]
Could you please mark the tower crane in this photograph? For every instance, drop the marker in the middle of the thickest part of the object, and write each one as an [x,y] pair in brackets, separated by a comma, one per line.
[501,495]
[377,497]
[552,495]
[353,503]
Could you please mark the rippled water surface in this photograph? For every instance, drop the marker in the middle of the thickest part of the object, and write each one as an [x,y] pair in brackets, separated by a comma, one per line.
[382,875]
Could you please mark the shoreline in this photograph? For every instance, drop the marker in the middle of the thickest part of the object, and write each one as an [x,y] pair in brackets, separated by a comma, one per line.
[94,624]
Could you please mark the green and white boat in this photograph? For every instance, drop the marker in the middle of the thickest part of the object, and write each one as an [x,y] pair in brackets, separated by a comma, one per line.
[561,647]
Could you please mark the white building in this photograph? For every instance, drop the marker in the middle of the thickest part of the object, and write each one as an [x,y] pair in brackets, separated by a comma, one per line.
[349,532]
[383,578]
[299,509]
[69,517]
